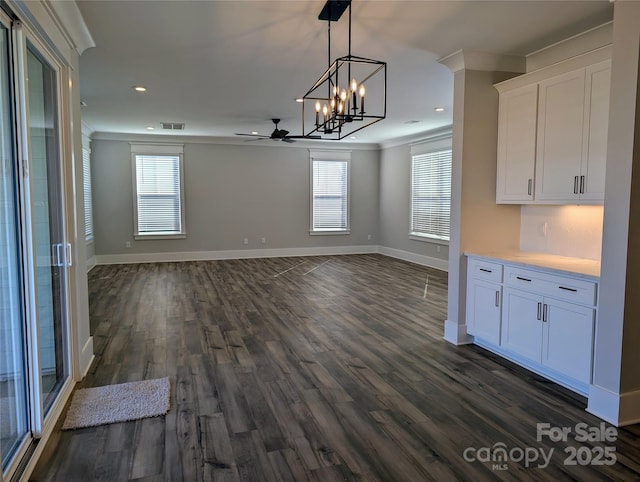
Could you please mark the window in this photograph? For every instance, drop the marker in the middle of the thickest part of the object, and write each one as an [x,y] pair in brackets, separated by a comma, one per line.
[158,197]
[330,192]
[431,192]
[88,205]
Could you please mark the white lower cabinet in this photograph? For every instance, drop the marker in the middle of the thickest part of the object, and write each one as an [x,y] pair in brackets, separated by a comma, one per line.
[538,319]
[554,333]
[483,310]
[567,339]
[521,328]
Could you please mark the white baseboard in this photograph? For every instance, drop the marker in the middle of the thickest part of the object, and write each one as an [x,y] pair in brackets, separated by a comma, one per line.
[456,334]
[231,254]
[618,409]
[91,263]
[86,358]
[420,259]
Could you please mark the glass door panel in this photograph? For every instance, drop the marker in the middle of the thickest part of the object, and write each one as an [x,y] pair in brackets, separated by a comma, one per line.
[47,225]
[13,379]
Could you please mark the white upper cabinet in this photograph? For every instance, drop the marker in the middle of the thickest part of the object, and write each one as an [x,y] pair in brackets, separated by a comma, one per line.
[559,148]
[596,127]
[552,136]
[517,145]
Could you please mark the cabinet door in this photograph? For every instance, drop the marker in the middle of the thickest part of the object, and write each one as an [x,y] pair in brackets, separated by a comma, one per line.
[522,323]
[596,128]
[483,310]
[517,117]
[568,339]
[560,135]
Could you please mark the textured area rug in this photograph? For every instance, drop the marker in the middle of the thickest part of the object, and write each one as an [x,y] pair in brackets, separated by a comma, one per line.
[118,403]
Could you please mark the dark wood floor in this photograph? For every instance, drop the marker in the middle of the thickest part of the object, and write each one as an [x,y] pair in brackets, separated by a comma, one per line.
[319,368]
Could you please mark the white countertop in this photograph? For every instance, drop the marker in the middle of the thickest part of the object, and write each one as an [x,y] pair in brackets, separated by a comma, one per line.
[563,264]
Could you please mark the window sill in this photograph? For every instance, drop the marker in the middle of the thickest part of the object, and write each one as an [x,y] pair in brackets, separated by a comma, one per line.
[329,233]
[143,237]
[428,239]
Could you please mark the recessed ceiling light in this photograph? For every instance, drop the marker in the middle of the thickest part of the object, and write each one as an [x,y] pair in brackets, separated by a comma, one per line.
[299,100]
[411,122]
[254,133]
[139,88]
[439,109]
[150,128]
[353,137]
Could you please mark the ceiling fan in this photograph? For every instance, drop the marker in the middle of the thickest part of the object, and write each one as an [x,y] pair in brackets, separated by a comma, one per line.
[278,134]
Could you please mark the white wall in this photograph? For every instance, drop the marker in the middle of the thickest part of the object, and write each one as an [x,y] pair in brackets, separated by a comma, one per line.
[232,192]
[574,231]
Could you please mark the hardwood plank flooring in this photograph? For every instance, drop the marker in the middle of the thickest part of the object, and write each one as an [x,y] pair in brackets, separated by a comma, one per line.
[311,369]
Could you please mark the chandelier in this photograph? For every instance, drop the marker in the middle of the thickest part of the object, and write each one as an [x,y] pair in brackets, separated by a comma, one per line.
[334,107]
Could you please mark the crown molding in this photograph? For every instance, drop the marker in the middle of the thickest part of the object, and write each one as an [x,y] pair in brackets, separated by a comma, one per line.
[474,60]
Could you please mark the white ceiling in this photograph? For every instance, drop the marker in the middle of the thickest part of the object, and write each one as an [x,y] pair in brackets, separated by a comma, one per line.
[223,67]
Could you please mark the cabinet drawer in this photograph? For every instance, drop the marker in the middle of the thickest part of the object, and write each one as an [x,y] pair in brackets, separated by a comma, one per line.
[481,269]
[560,287]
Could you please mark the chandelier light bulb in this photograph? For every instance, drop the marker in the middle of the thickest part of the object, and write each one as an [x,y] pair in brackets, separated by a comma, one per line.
[343,95]
[362,90]
[354,85]
[318,106]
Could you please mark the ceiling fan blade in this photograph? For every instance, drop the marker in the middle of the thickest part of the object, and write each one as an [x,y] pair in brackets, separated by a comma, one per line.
[304,137]
[288,140]
[282,133]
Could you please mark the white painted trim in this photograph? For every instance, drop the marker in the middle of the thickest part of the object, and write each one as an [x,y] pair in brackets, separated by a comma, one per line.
[603,404]
[300,143]
[71,19]
[53,418]
[91,263]
[586,41]
[441,264]
[559,68]
[456,334]
[474,60]
[86,358]
[102,259]
[617,409]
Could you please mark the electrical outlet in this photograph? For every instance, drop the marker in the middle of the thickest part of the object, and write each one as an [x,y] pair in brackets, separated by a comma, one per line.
[245,241]
[127,244]
[263,240]
[369,237]
[437,248]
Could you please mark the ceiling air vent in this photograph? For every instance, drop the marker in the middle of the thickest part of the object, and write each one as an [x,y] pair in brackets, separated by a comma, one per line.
[175,126]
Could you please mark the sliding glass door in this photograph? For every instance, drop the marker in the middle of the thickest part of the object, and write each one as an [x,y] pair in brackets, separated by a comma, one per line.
[51,253]
[14,421]
[34,254]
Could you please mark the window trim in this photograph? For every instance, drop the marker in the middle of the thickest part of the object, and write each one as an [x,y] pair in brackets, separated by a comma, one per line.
[331,156]
[443,143]
[147,149]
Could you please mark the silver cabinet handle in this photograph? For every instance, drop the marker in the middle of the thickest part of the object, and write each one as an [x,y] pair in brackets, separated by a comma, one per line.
[530,187]
[497,298]
[582,179]
[575,185]
[545,312]
[539,310]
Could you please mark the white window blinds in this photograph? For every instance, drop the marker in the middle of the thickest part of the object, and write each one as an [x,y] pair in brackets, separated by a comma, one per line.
[431,194]
[159,199]
[330,195]
[86,185]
